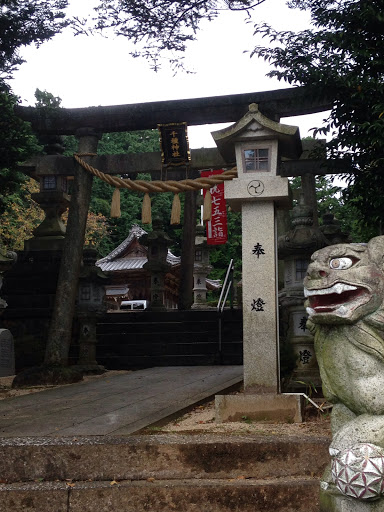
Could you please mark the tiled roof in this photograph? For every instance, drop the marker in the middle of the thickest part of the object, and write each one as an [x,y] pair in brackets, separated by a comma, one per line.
[112,262]
[136,232]
[213,284]
[122,264]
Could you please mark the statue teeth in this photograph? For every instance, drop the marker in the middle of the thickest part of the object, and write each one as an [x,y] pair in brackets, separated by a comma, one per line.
[336,288]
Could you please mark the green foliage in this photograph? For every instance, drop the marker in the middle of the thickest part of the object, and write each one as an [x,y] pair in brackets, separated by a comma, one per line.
[17,143]
[45,99]
[141,141]
[221,255]
[341,58]
[335,199]
[131,202]
[22,23]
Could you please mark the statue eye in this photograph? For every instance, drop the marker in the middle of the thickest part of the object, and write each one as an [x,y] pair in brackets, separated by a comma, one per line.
[340,263]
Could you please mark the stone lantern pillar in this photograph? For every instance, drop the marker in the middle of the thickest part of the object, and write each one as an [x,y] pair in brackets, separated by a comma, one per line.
[257,143]
[201,269]
[52,198]
[331,229]
[90,304]
[296,248]
[157,242]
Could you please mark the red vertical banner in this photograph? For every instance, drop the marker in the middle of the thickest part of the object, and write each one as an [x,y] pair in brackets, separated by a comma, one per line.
[217,230]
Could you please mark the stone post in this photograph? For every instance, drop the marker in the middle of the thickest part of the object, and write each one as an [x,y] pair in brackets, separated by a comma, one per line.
[91,303]
[258,143]
[157,242]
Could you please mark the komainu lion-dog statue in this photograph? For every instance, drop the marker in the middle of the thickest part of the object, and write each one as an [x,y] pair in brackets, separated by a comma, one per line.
[344,288]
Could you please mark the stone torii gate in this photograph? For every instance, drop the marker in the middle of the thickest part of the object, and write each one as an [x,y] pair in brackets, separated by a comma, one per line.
[88,123]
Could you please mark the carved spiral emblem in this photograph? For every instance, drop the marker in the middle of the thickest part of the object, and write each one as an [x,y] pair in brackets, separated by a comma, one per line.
[255,188]
[359,471]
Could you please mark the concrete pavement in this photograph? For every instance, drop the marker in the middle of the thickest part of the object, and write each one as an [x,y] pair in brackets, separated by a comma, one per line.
[118,405]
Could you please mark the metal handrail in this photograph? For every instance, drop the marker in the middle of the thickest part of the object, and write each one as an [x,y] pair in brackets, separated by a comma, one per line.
[227,285]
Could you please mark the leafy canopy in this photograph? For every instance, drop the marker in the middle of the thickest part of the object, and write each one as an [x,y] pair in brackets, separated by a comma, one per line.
[341,57]
[22,23]
[160,27]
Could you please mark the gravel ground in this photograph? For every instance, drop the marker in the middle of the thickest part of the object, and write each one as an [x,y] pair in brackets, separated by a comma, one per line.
[201,419]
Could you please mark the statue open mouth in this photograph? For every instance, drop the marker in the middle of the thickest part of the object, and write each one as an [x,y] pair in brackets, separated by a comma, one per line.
[340,299]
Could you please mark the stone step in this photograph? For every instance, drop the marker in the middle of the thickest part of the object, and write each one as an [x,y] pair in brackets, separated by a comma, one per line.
[165,456]
[211,495]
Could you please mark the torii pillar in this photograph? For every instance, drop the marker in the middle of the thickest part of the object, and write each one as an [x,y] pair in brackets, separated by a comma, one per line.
[258,143]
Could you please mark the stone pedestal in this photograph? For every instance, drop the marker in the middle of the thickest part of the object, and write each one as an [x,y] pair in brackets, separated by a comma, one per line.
[87,343]
[259,407]
[158,271]
[50,234]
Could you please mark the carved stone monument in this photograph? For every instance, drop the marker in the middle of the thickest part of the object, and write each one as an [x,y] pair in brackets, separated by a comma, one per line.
[91,304]
[345,292]
[257,144]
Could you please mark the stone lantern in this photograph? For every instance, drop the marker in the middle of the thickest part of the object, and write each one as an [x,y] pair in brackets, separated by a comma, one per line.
[53,198]
[296,248]
[331,229]
[157,242]
[201,269]
[90,304]
[257,144]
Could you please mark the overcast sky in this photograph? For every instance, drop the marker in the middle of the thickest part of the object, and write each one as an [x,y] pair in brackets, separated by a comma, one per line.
[91,71]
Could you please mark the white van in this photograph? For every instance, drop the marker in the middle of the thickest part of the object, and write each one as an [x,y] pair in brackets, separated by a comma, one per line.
[133,305]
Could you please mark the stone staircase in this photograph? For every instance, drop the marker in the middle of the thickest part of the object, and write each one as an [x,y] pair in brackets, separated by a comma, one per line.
[167,472]
[143,339]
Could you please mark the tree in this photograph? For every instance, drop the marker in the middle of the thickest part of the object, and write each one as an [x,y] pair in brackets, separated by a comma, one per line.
[22,22]
[341,57]
[16,143]
[160,28]
[20,216]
